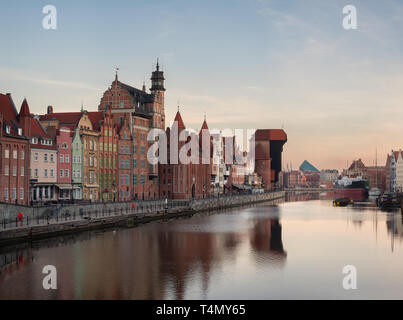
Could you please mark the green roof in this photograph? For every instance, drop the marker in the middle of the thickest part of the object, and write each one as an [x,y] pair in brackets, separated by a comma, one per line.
[306,166]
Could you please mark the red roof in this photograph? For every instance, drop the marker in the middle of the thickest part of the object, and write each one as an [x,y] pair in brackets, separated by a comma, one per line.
[96,118]
[270,134]
[9,112]
[71,119]
[178,119]
[24,111]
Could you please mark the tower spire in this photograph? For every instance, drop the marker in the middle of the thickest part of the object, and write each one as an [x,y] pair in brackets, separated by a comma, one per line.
[116,74]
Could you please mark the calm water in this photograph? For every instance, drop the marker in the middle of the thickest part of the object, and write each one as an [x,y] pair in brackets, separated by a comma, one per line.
[293,250]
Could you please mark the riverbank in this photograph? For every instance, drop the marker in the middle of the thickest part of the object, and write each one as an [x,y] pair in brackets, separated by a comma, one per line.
[127,217]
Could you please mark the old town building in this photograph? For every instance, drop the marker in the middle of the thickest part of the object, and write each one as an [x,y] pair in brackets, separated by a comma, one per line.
[144,111]
[64,175]
[77,165]
[181,180]
[108,150]
[89,125]
[268,150]
[125,162]
[15,132]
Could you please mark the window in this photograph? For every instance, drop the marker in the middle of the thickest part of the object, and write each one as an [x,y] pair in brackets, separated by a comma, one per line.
[20,131]
[6,153]
[134,164]
[122,179]
[122,149]
[61,173]
[135,150]
[45,157]
[6,193]
[121,105]
[76,145]
[36,173]
[142,150]
[142,180]
[67,159]
[22,171]
[22,155]
[14,194]
[125,135]
[64,146]
[128,149]
[52,174]
[14,171]
[21,193]
[8,129]
[142,164]
[127,164]
[36,156]
[15,154]
[67,173]
[6,173]
[51,158]
[46,173]
[122,164]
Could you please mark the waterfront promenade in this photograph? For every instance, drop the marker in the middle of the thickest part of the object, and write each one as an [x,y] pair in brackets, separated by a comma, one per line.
[75,218]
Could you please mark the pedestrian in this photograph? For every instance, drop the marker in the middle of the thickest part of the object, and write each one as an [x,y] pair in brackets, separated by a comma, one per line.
[20,217]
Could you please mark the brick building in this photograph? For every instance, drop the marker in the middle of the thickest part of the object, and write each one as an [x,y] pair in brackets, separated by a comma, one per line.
[181,180]
[125,162]
[144,111]
[15,132]
[268,150]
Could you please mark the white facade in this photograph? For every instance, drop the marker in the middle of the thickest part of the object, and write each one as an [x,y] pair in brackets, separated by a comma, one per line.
[399,172]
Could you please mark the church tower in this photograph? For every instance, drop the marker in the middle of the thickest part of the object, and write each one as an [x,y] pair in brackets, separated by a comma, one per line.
[158,91]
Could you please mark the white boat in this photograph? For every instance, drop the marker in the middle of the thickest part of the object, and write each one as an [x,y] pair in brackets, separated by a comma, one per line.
[374,192]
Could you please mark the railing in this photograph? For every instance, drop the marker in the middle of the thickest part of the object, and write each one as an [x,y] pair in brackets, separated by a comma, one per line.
[141,209]
[73,213]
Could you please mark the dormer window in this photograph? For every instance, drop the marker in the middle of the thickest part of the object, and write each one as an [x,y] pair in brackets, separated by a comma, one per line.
[34,141]
[8,129]
[20,131]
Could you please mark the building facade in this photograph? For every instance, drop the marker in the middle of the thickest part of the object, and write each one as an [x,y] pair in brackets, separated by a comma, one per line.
[15,131]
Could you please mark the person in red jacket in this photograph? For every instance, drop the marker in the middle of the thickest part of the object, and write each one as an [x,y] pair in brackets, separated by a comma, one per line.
[20,217]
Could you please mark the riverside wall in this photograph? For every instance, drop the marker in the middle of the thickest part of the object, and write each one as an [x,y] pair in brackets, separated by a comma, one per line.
[122,215]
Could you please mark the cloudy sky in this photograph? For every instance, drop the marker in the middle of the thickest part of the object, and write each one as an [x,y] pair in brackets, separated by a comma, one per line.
[245,63]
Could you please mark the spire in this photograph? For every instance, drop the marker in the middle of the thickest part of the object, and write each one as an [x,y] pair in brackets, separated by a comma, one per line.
[116,75]
[82,106]
[158,65]
[144,86]
[24,111]
[178,119]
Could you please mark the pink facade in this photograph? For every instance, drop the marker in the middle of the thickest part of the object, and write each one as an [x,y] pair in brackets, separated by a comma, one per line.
[64,163]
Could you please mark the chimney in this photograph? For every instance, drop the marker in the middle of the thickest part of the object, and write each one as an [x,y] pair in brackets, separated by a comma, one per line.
[50,109]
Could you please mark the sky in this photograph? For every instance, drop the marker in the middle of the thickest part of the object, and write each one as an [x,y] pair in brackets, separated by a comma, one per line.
[244,63]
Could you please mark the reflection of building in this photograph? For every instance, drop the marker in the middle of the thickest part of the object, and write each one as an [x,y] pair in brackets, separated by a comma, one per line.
[266,237]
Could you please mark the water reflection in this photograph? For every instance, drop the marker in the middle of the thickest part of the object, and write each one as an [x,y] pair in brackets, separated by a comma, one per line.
[261,252]
[155,261]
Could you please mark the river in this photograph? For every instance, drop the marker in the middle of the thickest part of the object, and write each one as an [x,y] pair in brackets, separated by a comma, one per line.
[292,250]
